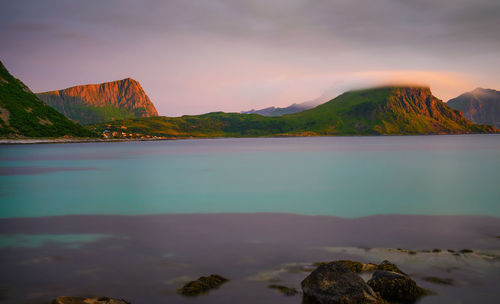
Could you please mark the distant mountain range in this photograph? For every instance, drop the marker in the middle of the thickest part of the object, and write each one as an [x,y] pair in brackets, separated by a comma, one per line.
[95,103]
[23,114]
[122,109]
[385,110]
[480,106]
[291,109]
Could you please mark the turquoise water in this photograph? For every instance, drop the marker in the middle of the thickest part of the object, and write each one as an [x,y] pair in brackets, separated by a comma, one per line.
[37,240]
[340,176]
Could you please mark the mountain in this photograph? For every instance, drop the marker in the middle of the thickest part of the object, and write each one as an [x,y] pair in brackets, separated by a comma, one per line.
[388,110]
[291,109]
[385,110]
[480,106]
[95,103]
[23,114]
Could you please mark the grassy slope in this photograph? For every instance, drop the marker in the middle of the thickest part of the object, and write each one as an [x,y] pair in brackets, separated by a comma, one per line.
[88,114]
[28,116]
[388,110]
[206,125]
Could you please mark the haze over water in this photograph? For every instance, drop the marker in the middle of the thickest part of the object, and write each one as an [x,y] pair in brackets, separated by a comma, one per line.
[338,176]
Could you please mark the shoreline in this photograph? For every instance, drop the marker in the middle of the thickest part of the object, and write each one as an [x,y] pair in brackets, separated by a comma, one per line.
[282,215]
[33,141]
[50,256]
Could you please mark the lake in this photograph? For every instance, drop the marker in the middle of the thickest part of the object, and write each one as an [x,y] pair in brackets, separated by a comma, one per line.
[136,220]
[339,176]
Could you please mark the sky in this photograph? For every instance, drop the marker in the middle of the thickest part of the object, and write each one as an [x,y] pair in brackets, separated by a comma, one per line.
[199,56]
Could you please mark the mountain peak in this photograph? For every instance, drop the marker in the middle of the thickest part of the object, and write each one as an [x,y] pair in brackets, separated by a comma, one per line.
[412,88]
[94,103]
[128,79]
[480,105]
[479,90]
[391,110]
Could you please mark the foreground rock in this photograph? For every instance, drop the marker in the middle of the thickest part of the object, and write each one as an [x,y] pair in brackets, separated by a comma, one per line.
[334,283]
[355,266]
[395,287]
[388,266]
[202,285]
[82,300]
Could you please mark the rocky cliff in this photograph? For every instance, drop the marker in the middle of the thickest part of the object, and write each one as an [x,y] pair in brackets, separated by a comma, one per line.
[95,103]
[481,106]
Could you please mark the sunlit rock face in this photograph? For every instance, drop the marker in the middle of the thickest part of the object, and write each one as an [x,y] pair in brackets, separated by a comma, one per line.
[96,103]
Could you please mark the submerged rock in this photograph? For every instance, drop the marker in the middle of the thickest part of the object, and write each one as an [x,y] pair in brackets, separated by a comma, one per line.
[441,281]
[83,300]
[466,251]
[289,291]
[395,286]
[336,283]
[202,285]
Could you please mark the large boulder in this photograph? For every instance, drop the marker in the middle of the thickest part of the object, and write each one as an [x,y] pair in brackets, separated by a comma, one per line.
[82,300]
[336,283]
[355,266]
[395,287]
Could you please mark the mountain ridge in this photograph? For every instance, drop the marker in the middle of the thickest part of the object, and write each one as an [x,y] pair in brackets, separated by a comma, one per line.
[375,111]
[95,103]
[479,105]
[279,111]
[291,109]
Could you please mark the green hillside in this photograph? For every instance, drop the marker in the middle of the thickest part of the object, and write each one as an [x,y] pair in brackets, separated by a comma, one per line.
[23,114]
[386,110]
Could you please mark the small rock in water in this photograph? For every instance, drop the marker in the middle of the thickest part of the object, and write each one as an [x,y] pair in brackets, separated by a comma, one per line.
[83,300]
[442,281]
[335,283]
[289,291]
[202,285]
[395,286]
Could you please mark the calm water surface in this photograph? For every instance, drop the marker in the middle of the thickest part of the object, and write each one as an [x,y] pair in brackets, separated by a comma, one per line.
[340,176]
[137,220]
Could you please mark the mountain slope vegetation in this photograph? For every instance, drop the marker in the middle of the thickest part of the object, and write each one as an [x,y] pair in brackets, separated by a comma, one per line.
[377,111]
[23,114]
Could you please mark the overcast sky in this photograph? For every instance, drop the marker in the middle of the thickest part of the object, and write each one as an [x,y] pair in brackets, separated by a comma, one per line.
[197,56]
